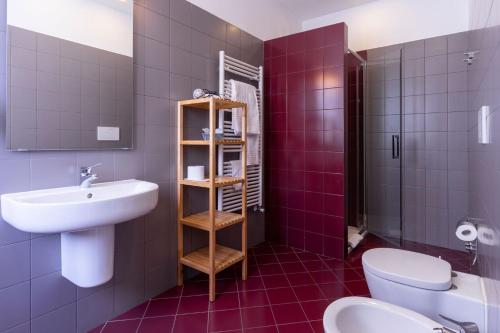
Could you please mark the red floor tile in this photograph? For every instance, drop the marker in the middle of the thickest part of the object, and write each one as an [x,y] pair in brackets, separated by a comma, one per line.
[287,257]
[191,323]
[267,329]
[293,267]
[257,317]
[193,304]
[299,285]
[281,295]
[228,320]
[298,279]
[275,281]
[288,313]
[125,326]
[314,309]
[252,283]
[266,259]
[271,269]
[334,290]
[308,293]
[162,307]
[358,288]
[134,313]
[323,277]
[296,327]
[227,301]
[156,325]
[317,326]
[315,265]
[347,275]
[194,288]
[253,298]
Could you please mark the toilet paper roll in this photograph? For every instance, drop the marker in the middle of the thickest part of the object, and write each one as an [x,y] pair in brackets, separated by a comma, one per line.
[466,231]
[487,235]
[196,172]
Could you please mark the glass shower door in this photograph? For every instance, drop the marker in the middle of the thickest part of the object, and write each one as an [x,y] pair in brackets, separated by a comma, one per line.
[383,144]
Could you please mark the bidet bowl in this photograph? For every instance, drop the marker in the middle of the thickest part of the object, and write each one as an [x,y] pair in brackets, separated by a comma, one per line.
[361,314]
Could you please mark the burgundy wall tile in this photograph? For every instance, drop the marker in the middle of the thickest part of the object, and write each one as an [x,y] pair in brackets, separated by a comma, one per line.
[314,58]
[315,38]
[306,139]
[314,222]
[314,79]
[314,100]
[314,121]
[295,82]
[295,62]
[296,43]
[314,181]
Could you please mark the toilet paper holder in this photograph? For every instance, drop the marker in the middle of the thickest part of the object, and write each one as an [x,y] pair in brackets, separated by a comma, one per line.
[471,243]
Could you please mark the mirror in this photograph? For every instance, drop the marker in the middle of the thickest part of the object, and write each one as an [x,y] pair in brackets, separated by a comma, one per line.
[70,82]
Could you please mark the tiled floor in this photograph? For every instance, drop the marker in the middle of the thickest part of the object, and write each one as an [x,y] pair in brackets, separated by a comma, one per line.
[287,291]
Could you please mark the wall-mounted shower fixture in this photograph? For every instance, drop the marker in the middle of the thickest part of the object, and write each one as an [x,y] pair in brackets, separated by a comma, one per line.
[470,56]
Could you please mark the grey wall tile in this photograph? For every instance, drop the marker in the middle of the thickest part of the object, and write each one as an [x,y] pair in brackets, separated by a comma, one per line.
[16,257]
[45,255]
[62,320]
[156,90]
[94,310]
[181,11]
[50,292]
[180,35]
[436,46]
[157,26]
[14,305]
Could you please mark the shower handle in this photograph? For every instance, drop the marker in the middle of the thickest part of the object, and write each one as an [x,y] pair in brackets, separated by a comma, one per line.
[395,147]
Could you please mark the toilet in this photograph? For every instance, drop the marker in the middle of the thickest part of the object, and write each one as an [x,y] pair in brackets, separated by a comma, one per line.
[425,284]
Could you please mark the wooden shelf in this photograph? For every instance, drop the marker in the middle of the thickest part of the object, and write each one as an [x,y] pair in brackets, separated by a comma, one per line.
[224,257]
[219,182]
[202,220]
[207,142]
[214,258]
[204,103]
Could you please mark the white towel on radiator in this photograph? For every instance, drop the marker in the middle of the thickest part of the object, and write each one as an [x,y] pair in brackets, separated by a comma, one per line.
[236,171]
[247,93]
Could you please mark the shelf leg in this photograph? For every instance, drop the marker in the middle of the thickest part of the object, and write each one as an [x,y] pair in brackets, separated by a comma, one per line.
[211,278]
[180,248]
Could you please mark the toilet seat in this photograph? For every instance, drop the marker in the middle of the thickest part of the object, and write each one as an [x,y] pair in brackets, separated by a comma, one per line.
[408,268]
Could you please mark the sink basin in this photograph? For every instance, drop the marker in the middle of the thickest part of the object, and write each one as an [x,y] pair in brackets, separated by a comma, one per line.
[74,208]
[362,314]
[86,219]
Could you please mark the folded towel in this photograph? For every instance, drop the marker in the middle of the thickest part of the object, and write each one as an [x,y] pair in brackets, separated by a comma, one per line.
[236,171]
[247,93]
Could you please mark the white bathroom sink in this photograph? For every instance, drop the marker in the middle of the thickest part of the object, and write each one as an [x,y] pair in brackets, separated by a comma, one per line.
[75,208]
[366,315]
[86,219]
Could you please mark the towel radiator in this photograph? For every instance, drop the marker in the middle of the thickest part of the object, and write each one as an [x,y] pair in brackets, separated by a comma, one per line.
[229,199]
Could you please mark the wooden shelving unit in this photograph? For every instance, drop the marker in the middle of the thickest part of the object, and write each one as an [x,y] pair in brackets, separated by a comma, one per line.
[213,258]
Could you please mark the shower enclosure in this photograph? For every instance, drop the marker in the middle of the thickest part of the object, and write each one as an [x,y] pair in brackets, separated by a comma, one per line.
[383,153]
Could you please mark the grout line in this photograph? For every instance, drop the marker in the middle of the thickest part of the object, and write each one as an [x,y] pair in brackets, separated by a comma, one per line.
[238,293]
[142,317]
[267,296]
[177,310]
[300,304]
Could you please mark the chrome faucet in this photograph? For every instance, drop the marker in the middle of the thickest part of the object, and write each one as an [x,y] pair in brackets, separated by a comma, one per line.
[86,175]
[464,327]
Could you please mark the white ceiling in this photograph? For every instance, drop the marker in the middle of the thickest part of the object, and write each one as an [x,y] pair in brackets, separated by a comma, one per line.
[307,9]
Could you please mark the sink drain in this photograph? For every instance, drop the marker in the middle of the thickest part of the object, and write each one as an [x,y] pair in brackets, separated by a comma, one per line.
[89,196]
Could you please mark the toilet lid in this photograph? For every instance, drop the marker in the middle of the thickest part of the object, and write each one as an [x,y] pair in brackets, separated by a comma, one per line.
[409,268]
